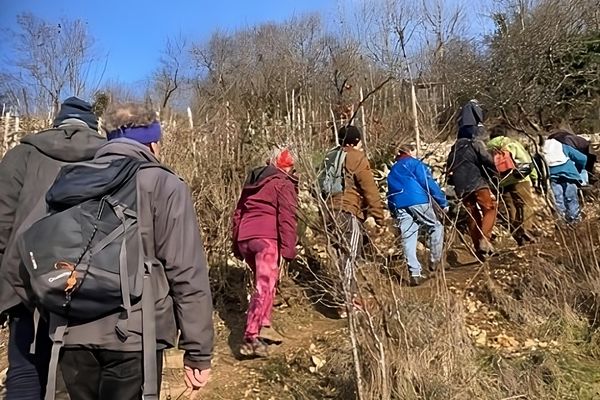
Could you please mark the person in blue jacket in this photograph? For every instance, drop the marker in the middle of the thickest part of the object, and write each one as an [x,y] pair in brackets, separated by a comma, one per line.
[565,164]
[412,192]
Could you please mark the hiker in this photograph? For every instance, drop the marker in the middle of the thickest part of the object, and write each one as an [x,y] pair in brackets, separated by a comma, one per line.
[561,131]
[469,169]
[470,120]
[353,196]
[143,276]
[565,164]
[26,172]
[264,234]
[413,196]
[515,165]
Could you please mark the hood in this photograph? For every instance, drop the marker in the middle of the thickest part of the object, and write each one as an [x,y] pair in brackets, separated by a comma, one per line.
[126,148]
[470,115]
[260,176]
[498,142]
[69,143]
[79,182]
[554,154]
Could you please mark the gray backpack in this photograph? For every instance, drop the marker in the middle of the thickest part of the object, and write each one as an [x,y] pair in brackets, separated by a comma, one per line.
[331,178]
[85,259]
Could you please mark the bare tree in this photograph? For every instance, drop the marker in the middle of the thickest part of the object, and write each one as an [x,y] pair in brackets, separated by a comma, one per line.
[170,73]
[53,59]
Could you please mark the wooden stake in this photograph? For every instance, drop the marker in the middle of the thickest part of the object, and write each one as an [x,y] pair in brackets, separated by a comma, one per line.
[362,119]
[413,99]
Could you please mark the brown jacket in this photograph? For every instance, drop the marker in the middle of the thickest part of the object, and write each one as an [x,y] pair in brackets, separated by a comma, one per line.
[361,195]
[171,237]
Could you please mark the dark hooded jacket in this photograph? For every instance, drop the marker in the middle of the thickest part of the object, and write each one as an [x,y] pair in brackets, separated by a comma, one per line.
[470,120]
[26,173]
[469,166]
[171,239]
[267,209]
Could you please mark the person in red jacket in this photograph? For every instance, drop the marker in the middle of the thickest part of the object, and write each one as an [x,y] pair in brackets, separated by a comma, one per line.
[264,232]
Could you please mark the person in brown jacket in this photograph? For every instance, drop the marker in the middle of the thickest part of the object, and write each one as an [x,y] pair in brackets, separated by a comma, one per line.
[358,200]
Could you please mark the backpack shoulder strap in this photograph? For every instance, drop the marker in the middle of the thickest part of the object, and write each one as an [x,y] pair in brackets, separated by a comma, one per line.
[150,390]
[59,327]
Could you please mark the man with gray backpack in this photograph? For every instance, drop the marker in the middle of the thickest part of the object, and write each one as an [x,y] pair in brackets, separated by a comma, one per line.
[117,266]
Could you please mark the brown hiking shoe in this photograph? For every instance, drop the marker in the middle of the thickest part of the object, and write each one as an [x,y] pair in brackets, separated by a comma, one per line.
[486,247]
[269,335]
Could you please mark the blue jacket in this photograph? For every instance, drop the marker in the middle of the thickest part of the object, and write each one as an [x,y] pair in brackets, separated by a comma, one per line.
[410,183]
[571,169]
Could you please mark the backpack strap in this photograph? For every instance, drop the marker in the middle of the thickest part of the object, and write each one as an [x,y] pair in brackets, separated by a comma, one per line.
[150,389]
[36,325]
[339,161]
[121,327]
[59,326]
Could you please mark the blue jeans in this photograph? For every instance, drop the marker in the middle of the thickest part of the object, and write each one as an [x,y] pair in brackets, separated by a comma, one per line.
[565,199]
[409,220]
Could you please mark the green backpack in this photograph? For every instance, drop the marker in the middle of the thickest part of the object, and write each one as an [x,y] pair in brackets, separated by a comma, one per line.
[331,176]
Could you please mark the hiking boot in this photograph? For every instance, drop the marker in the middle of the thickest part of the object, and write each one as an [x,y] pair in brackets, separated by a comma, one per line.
[435,266]
[254,348]
[416,280]
[525,239]
[485,247]
[270,336]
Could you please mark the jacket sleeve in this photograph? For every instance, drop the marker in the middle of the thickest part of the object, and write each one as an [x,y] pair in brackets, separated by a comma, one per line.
[287,207]
[486,159]
[12,173]
[576,156]
[179,246]
[366,184]
[429,184]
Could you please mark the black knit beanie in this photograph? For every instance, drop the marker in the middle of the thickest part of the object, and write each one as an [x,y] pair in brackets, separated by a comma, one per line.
[349,135]
[74,107]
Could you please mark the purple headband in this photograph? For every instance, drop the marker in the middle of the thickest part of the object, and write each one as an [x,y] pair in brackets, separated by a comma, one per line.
[143,134]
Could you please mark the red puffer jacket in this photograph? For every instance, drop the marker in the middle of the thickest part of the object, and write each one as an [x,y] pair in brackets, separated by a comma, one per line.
[267,210]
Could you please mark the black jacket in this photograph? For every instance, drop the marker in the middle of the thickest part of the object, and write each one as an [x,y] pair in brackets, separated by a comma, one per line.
[26,173]
[469,166]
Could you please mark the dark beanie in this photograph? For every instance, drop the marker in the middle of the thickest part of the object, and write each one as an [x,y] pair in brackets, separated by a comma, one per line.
[349,135]
[74,107]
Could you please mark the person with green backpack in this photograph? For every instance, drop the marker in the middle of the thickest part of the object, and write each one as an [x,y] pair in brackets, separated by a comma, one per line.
[515,165]
[349,190]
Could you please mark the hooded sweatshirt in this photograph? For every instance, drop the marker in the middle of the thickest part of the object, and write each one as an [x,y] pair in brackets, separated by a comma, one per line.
[26,173]
[267,209]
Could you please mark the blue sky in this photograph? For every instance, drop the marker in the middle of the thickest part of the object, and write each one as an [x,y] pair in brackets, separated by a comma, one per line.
[133,32]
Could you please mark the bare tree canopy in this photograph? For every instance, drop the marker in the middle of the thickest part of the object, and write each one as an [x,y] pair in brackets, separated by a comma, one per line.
[52,60]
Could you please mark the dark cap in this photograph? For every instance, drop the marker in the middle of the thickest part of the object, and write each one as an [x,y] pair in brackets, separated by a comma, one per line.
[349,135]
[76,108]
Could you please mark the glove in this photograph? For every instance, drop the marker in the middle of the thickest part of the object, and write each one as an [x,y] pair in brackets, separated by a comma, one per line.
[195,378]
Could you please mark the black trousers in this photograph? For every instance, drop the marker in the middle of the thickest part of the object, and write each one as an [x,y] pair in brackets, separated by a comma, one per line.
[27,373]
[104,374]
